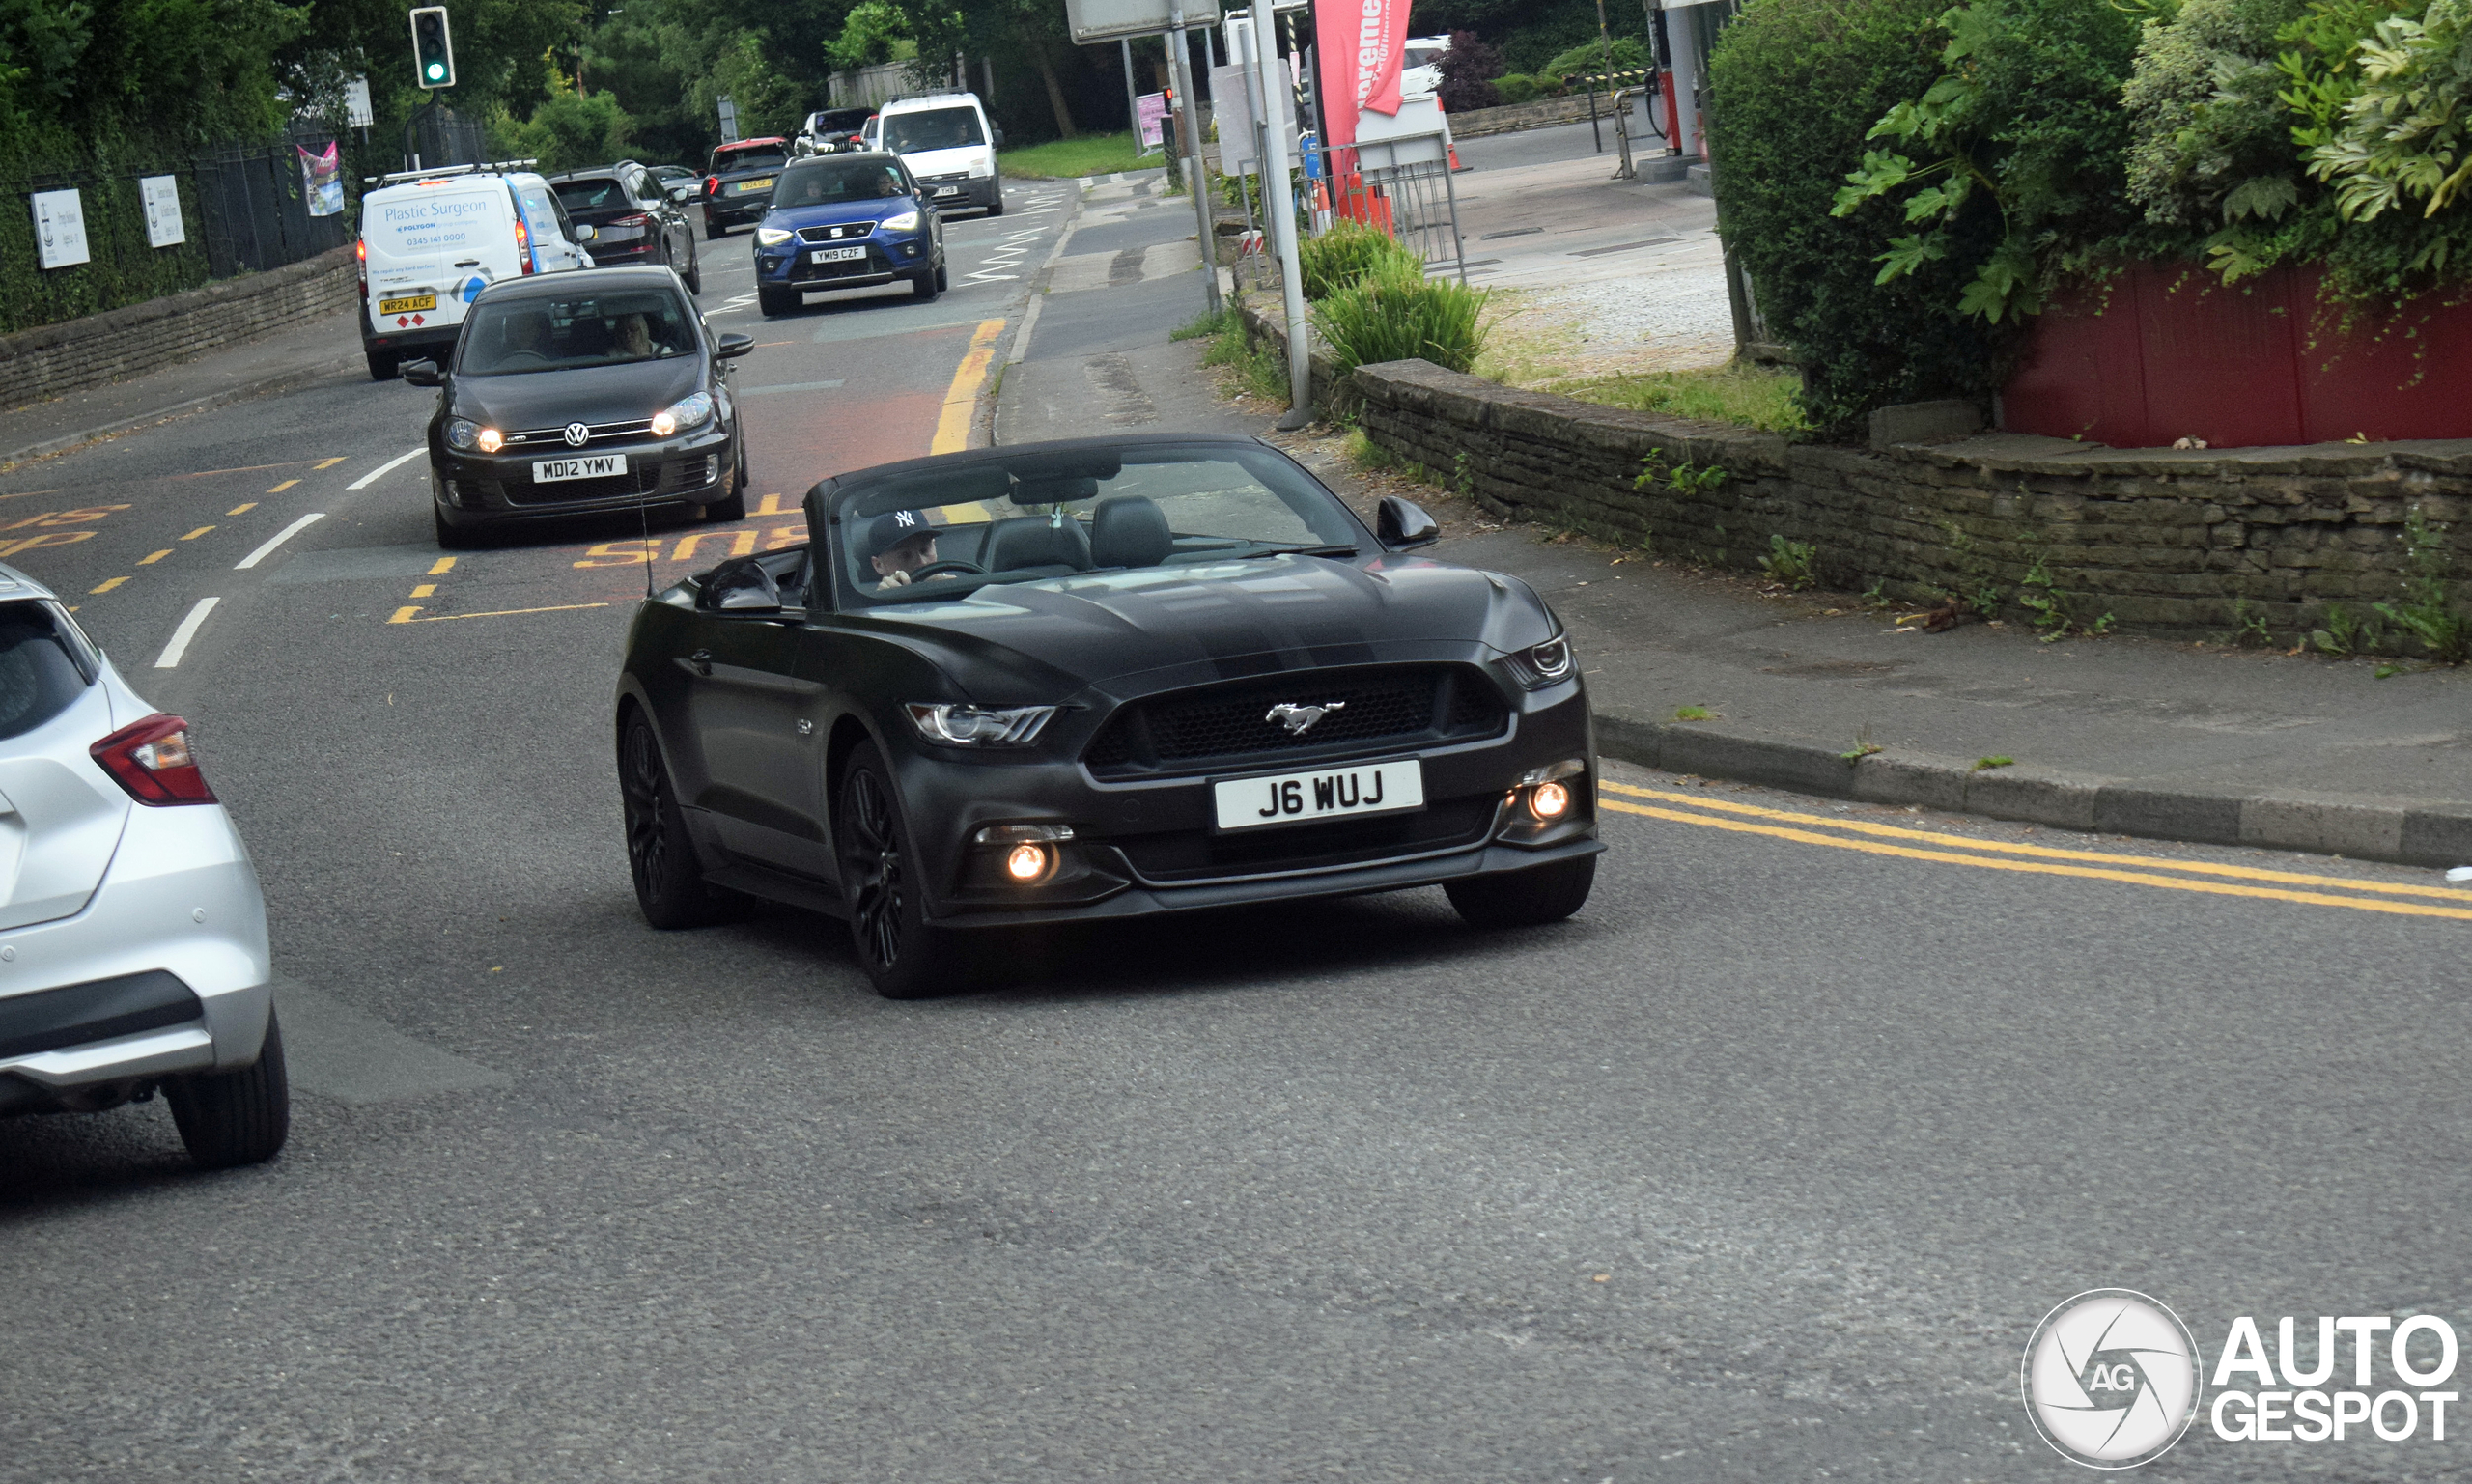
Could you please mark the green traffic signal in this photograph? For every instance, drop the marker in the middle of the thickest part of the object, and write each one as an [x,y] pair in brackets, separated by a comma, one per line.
[432,46]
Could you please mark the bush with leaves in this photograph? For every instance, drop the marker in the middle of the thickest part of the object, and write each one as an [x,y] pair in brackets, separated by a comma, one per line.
[1395,313]
[1347,252]
[1798,84]
[2022,135]
[1467,72]
[1572,69]
[2211,142]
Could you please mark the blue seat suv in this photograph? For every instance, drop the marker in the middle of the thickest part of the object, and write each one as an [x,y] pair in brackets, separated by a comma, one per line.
[845,221]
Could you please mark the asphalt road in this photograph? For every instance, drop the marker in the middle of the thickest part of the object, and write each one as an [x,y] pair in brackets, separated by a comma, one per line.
[1763,1166]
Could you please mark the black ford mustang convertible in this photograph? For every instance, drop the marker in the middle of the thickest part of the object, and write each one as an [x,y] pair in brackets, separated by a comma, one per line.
[1089,680]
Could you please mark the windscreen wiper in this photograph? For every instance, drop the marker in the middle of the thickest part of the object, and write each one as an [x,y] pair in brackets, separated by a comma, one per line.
[1301,551]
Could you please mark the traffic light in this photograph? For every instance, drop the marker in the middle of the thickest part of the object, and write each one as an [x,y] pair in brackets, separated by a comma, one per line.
[432,47]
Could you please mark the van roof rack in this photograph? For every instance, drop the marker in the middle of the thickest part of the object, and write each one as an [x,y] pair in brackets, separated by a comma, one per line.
[490,167]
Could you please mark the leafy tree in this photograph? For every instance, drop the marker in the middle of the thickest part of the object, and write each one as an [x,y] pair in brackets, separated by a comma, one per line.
[1467,72]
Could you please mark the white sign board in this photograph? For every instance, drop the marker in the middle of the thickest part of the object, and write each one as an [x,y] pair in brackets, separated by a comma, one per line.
[358,114]
[1231,103]
[1414,136]
[1107,20]
[60,230]
[730,120]
[160,194]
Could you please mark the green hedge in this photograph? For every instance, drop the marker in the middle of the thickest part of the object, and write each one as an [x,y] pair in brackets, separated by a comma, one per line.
[1798,84]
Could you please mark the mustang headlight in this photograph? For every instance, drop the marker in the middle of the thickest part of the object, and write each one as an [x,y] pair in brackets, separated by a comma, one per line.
[979,726]
[771,236]
[1542,664]
[694,412]
[906,221]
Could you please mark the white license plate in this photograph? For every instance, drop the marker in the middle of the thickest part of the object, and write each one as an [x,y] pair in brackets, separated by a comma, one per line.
[599,466]
[1324,794]
[949,191]
[837,255]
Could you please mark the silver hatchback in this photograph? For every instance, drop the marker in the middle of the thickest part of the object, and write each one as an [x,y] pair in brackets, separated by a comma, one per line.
[132,935]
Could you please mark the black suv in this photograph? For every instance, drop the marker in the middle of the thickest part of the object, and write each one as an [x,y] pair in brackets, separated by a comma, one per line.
[636,216]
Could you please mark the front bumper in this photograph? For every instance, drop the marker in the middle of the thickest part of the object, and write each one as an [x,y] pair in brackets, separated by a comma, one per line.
[966,192]
[179,909]
[891,255]
[473,490]
[1150,846]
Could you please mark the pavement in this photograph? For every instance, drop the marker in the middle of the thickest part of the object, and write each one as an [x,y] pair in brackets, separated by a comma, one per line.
[1763,1166]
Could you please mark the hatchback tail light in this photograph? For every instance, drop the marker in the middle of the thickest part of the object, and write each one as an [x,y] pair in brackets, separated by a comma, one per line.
[154,761]
[712,185]
[636,220]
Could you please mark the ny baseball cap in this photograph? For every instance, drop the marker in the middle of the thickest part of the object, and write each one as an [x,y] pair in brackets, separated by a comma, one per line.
[901,527]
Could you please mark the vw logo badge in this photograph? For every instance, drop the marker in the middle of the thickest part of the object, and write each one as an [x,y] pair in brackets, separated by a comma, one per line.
[577,434]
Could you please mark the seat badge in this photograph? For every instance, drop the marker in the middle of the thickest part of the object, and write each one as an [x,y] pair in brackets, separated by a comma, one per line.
[1296,718]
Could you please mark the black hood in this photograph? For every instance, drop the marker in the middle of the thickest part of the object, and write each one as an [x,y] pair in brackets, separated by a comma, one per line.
[589,394]
[1130,633]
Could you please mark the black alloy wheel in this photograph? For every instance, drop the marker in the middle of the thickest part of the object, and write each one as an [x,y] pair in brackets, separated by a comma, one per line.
[903,957]
[776,302]
[669,882]
[1523,899]
[228,1119]
[694,265]
[924,284]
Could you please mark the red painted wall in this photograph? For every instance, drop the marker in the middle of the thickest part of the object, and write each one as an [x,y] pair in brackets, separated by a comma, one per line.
[2162,354]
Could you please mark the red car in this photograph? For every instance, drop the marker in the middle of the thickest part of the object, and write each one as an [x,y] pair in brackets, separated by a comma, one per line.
[737,184]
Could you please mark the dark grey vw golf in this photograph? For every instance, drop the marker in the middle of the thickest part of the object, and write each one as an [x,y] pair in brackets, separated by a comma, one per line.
[1095,679]
[579,393]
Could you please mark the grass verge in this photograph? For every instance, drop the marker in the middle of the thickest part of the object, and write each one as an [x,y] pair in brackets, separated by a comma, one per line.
[1068,158]
[1260,370]
[1746,395]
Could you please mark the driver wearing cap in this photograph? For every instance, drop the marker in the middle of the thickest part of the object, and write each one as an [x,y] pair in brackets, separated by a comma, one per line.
[899,543]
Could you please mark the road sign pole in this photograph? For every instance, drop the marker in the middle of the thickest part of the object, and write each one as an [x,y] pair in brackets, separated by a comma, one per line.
[1281,199]
[1188,123]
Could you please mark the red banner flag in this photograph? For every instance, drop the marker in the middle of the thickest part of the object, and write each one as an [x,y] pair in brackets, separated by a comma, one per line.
[1364,45]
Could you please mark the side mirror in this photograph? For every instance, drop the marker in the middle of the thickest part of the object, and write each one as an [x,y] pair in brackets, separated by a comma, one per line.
[731,346]
[681,193]
[422,374]
[999,139]
[585,233]
[741,586]
[1401,523]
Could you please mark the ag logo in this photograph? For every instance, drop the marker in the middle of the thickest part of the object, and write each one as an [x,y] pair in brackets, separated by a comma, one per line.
[2111,1378]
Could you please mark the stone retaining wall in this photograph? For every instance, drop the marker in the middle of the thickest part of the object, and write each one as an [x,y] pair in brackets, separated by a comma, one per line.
[1477,122]
[2155,537]
[53,361]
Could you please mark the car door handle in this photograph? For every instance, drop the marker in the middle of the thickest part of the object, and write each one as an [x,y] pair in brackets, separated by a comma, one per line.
[469,263]
[702,661]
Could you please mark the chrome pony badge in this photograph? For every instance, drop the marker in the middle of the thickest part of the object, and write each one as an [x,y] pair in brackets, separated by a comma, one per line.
[1296,718]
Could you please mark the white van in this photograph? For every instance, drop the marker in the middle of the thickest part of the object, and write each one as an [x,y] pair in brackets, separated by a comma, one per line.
[949,144]
[432,241]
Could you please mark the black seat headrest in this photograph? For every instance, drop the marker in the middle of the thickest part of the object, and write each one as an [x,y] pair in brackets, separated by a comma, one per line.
[1037,541]
[1130,530]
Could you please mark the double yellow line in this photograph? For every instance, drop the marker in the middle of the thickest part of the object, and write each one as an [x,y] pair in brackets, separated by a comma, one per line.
[2407,901]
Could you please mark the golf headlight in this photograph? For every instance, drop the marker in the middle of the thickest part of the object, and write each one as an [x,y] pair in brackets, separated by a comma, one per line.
[979,726]
[1541,665]
[771,236]
[462,433]
[694,412]
[906,221]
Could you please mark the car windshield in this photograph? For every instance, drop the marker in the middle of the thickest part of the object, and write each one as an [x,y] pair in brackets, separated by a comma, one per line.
[932,128]
[940,532]
[838,121]
[771,156]
[589,195]
[559,332]
[826,181]
[40,667]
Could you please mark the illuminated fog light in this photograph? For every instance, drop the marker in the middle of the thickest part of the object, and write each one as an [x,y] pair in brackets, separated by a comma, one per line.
[1025,862]
[1550,801]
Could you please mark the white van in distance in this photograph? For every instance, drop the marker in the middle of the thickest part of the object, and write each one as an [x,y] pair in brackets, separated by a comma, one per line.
[949,144]
[430,240]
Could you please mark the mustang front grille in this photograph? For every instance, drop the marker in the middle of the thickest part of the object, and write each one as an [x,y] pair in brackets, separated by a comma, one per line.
[1398,707]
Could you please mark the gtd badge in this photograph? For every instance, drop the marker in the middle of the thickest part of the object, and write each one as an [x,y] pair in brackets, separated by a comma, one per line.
[2111,1378]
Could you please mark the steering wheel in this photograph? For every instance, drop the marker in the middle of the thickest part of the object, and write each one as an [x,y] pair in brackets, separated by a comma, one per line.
[946,568]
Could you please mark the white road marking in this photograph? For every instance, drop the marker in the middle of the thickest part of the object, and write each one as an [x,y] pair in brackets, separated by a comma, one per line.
[279,538]
[385,469]
[170,658]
